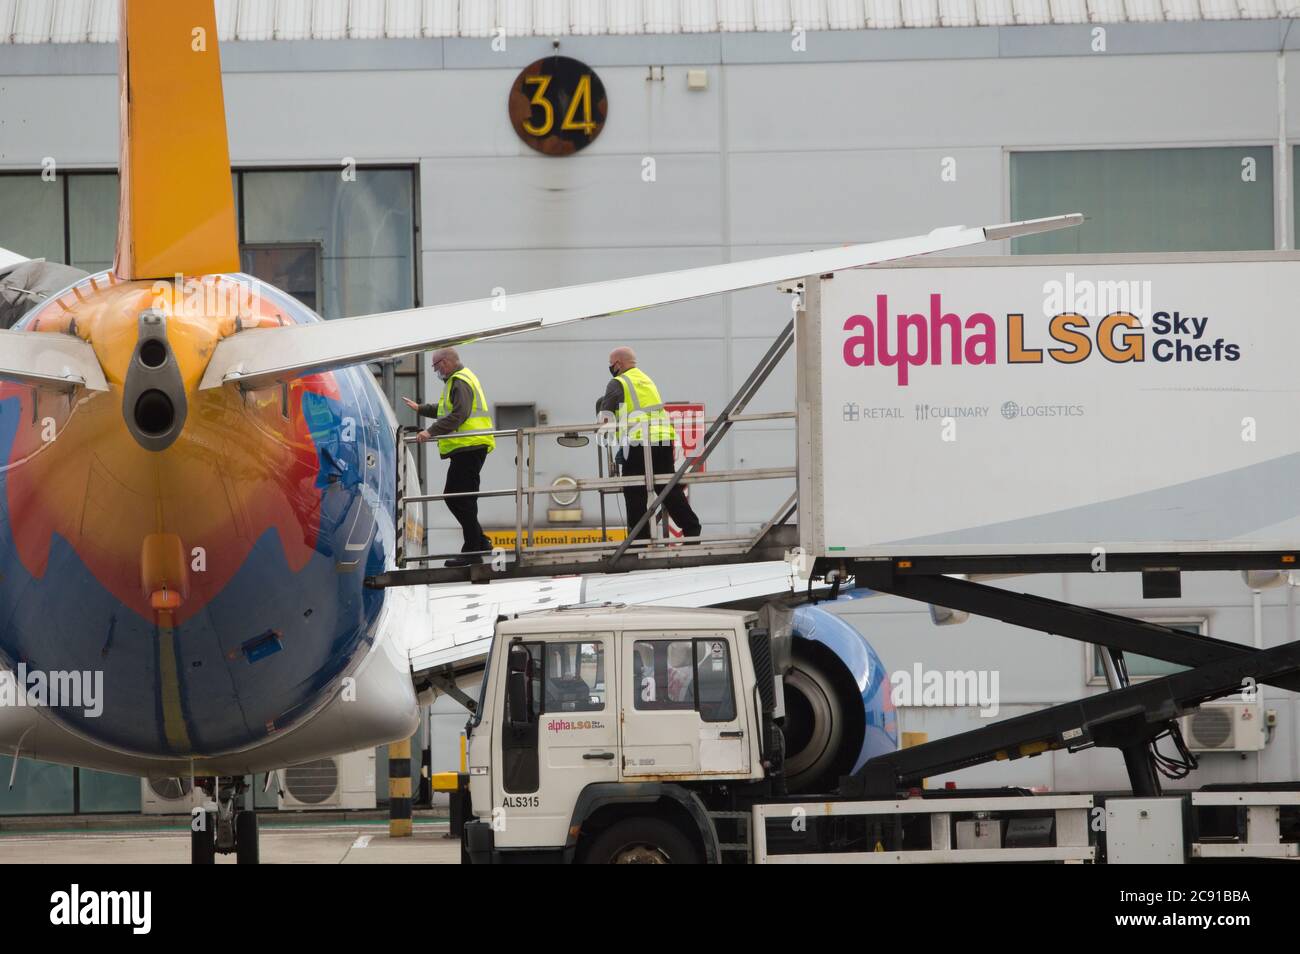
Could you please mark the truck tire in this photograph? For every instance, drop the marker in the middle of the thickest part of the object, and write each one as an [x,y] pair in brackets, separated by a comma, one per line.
[642,841]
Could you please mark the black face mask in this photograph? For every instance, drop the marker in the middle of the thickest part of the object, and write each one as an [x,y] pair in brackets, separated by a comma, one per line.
[613,370]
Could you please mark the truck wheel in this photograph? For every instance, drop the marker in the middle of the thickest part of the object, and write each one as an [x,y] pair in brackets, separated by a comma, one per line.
[642,841]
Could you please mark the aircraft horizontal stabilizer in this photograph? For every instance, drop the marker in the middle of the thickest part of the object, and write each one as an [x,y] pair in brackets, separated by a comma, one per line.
[49,359]
[259,357]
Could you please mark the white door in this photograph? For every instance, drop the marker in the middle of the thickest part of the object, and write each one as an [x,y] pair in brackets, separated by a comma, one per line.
[681,712]
[568,741]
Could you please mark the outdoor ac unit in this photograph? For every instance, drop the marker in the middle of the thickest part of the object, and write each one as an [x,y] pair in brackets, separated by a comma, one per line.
[336,783]
[169,796]
[1225,727]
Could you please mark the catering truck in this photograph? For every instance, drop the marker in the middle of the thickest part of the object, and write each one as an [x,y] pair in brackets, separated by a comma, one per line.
[992,412]
[958,423]
[618,734]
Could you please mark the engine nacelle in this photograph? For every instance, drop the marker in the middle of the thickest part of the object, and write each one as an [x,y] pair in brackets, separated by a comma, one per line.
[838,711]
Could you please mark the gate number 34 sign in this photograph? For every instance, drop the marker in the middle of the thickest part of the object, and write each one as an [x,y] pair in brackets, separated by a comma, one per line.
[558,105]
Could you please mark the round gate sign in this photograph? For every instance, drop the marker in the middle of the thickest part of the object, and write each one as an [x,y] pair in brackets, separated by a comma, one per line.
[558,106]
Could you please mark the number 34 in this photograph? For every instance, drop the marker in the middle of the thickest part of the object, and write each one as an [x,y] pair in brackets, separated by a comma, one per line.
[581,100]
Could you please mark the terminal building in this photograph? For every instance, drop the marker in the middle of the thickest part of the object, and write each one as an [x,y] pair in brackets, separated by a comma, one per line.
[376,167]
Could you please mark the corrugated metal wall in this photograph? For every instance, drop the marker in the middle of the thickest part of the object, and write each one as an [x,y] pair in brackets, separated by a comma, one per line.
[75,21]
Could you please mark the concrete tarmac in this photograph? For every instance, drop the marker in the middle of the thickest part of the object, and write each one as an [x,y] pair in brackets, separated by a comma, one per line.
[339,843]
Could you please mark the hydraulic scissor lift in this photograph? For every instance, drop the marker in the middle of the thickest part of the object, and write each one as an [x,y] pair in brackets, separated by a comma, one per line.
[1128,717]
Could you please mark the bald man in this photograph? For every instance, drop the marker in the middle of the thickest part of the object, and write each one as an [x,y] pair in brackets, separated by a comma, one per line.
[633,400]
[462,407]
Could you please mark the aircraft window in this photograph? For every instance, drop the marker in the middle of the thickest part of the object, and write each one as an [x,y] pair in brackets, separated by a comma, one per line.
[575,677]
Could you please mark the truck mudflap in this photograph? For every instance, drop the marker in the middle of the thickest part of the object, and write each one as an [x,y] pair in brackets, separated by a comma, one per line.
[478,847]
[479,844]
[601,795]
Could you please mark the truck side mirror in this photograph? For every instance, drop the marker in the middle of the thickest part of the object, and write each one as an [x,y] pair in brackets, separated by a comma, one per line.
[517,687]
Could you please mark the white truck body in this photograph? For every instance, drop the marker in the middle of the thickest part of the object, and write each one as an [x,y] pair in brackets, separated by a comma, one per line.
[628,726]
[633,735]
[1000,406]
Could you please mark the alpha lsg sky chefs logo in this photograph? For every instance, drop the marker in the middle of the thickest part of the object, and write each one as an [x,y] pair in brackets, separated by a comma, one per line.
[907,340]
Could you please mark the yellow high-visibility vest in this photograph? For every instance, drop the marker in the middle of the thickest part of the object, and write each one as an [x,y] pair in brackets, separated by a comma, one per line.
[642,407]
[478,419]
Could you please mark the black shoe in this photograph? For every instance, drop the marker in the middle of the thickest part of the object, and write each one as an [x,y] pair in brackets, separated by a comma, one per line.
[463,561]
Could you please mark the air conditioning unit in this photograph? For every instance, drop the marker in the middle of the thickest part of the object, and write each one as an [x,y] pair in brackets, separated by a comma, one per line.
[1225,727]
[169,796]
[337,783]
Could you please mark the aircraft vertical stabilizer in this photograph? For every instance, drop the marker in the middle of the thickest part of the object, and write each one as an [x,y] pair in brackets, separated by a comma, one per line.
[177,212]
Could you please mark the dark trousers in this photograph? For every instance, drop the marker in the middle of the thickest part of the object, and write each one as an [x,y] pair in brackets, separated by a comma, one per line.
[679,508]
[463,468]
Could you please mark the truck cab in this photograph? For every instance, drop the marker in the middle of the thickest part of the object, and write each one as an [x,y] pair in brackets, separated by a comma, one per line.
[599,730]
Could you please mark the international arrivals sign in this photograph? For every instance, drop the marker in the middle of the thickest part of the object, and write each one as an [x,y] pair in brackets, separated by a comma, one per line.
[556,536]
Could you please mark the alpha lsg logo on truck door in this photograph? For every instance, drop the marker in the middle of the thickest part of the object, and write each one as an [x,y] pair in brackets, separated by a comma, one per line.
[1101,320]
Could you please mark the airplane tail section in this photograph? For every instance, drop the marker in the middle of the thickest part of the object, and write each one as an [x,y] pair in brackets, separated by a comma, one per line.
[177,212]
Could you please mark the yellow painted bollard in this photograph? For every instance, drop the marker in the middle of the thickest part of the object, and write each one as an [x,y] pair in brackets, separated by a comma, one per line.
[915,738]
[399,789]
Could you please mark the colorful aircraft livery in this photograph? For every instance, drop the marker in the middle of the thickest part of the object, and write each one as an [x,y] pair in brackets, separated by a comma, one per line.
[219,585]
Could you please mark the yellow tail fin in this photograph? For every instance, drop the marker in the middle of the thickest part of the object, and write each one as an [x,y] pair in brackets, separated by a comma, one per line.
[177,213]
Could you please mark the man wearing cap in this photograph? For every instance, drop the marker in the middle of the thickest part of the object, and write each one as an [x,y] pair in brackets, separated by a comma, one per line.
[634,400]
[461,408]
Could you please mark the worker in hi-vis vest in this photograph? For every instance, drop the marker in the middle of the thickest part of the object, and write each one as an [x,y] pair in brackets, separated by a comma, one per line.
[634,402]
[461,408]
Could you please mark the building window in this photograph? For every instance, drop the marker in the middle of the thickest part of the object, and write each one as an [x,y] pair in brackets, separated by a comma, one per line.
[1295,197]
[1147,200]
[344,246]
[292,267]
[1144,668]
[364,228]
[40,218]
[92,220]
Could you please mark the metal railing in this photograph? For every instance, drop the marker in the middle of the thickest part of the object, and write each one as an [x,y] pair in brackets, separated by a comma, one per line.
[526,491]
[658,487]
